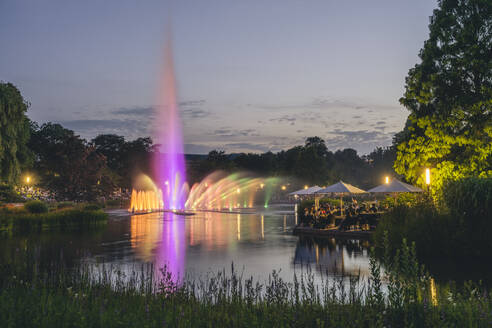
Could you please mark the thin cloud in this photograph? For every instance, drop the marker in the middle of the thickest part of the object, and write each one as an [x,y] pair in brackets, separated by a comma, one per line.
[199,102]
[226,132]
[194,113]
[135,111]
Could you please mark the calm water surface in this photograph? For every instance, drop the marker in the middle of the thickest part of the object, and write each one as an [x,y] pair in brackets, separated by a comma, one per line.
[256,241]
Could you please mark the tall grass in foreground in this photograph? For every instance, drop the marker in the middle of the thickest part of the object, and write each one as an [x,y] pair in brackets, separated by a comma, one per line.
[63,220]
[52,296]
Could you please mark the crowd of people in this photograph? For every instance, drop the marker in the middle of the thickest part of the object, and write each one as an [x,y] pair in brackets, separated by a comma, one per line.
[362,216]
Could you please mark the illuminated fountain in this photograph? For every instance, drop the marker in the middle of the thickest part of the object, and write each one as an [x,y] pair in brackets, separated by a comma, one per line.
[170,192]
[169,165]
[218,191]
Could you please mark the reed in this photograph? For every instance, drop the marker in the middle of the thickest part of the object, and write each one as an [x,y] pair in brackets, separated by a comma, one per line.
[103,296]
[61,220]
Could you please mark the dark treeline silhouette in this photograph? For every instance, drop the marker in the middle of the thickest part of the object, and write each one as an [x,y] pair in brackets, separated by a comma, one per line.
[311,163]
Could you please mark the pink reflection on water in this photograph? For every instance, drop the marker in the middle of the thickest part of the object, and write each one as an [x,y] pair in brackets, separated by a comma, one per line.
[169,167]
[171,251]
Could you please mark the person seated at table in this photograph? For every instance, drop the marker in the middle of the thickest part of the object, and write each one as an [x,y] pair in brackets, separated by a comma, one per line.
[373,208]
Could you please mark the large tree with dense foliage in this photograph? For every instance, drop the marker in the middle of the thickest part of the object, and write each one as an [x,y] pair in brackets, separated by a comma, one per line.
[14,133]
[67,165]
[449,95]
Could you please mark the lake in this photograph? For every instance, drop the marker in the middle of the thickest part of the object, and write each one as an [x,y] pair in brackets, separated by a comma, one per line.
[256,240]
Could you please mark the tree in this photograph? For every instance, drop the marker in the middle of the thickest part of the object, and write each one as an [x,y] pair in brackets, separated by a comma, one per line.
[449,95]
[348,166]
[67,165]
[379,165]
[111,146]
[14,133]
[312,164]
[135,158]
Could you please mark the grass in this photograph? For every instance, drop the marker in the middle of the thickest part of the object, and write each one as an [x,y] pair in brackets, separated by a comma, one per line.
[34,294]
[61,220]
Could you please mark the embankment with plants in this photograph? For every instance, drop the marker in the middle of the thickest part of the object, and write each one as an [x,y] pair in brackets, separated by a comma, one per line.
[35,216]
[33,294]
[457,225]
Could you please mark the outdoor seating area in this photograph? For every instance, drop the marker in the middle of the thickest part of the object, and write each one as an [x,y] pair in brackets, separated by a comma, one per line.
[362,215]
[355,217]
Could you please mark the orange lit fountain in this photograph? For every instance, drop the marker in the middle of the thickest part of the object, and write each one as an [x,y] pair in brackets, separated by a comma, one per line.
[218,191]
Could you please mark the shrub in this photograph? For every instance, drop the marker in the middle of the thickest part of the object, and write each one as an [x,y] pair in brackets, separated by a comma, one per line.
[91,207]
[470,198]
[36,206]
[113,202]
[464,220]
[8,194]
[63,205]
[70,219]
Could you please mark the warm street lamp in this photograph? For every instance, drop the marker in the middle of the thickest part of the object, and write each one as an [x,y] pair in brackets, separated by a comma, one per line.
[427,177]
[305,187]
[387,180]
[28,179]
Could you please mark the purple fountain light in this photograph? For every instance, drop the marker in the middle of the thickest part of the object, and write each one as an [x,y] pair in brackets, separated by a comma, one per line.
[169,166]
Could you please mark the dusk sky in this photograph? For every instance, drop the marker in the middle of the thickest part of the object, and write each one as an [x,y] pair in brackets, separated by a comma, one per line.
[252,75]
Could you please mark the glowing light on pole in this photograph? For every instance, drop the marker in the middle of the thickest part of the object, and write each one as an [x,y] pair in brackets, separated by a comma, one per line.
[305,187]
[427,177]
[28,179]
[387,180]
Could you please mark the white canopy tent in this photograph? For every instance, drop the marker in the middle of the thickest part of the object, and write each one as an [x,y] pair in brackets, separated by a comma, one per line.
[308,191]
[341,188]
[395,186]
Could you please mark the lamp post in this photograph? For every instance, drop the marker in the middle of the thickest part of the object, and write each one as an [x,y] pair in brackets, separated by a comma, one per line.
[387,180]
[427,178]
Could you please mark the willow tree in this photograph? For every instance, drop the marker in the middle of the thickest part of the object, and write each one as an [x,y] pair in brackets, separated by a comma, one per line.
[14,133]
[449,96]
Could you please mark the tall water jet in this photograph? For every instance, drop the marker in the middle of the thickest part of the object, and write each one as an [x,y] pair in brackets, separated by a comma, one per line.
[169,165]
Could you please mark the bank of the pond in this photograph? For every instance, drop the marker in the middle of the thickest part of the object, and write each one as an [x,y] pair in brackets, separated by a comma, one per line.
[334,232]
[456,227]
[40,296]
[63,220]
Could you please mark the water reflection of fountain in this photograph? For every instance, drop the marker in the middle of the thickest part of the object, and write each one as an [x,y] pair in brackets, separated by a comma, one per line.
[164,244]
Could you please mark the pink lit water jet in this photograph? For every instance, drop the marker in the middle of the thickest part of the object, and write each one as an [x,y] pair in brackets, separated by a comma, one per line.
[169,165]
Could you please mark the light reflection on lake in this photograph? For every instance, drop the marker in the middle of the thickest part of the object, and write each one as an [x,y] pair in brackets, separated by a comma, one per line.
[257,242]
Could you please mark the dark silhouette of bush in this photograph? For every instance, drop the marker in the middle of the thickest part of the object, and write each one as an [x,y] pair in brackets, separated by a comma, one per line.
[36,206]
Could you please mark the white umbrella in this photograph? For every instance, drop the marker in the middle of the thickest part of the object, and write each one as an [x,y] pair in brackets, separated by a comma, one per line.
[395,186]
[341,188]
[308,191]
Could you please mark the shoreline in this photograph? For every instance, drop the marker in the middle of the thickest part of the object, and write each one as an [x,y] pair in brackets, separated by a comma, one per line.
[332,233]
